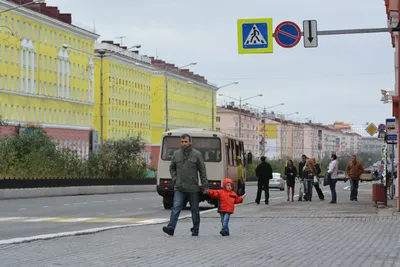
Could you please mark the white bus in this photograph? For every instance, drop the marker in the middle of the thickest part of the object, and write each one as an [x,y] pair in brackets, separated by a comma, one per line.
[219,151]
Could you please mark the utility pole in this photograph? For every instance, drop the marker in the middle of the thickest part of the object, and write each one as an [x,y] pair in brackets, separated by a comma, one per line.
[102,55]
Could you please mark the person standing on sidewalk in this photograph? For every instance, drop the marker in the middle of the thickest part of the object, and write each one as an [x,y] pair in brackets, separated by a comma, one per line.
[264,174]
[290,173]
[302,163]
[308,174]
[316,183]
[332,176]
[354,169]
[186,163]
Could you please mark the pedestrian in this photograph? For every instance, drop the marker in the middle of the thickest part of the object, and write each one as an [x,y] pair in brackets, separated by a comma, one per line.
[308,174]
[316,183]
[290,173]
[264,174]
[332,176]
[241,184]
[227,200]
[301,178]
[185,165]
[354,170]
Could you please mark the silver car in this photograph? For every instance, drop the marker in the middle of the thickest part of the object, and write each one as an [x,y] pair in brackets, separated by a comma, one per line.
[277,181]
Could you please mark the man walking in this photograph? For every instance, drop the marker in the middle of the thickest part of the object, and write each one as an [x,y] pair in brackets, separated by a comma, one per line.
[354,169]
[186,163]
[264,174]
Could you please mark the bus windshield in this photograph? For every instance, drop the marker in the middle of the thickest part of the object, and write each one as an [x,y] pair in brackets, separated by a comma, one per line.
[209,147]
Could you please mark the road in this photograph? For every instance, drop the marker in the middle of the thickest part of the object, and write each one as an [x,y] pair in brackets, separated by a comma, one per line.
[31,217]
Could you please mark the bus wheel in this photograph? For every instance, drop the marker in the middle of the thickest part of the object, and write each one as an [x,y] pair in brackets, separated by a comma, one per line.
[167,201]
[167,206]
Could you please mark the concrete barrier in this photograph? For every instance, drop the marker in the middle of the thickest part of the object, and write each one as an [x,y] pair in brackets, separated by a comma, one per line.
[73,191]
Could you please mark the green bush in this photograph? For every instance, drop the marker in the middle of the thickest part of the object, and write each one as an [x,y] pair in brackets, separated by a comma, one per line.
[32,154]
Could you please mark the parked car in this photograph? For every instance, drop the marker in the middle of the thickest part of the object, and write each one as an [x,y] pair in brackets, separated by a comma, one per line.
[277,181]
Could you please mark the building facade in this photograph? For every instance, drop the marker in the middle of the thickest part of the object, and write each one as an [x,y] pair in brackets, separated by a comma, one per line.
[41,82]
[190,102]
[228,122]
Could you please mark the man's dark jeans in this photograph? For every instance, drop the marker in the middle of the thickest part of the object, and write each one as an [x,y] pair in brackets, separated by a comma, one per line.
[179,198]
[262,186]
[353,189]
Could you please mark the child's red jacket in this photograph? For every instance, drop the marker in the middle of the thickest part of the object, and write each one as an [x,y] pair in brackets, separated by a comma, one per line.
[227,199]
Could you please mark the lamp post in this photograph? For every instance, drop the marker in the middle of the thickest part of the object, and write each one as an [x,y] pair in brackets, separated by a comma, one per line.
[166,70]
[102,53]
[240,108]
[23,5]
[213,100]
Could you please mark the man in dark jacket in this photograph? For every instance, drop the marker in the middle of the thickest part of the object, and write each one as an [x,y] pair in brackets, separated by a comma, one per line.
[186,163]
[264,174]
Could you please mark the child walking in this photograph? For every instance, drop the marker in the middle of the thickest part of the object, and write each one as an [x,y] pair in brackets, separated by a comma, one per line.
[227,200]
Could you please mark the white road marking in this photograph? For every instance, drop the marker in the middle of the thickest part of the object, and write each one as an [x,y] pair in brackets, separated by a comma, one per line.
[137,198]
[80,203]
[66,204]
[45,206]
[22,209]
[111,200]
[98,201]
[9,219]
[41,219]
[125,199]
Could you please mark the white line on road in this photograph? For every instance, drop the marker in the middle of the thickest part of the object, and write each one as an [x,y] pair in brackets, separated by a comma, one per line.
[80,203]
[45,206]
[125,199]
[10,219]
[111,200]
[98,201]
[66,204]
[22,209]
[42,219]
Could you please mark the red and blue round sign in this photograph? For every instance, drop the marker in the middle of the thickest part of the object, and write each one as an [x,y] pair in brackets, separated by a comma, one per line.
[287,34]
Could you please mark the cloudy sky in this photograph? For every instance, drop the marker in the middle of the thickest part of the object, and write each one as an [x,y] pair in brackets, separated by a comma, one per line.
[338,81]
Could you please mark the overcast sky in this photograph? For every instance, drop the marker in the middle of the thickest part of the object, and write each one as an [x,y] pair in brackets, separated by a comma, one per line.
[338,81]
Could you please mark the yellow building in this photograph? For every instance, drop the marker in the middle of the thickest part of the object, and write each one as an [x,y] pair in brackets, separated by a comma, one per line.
[190,101]
[42,82]
[126,92]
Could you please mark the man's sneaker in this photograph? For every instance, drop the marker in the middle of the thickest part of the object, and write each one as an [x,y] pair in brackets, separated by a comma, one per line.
[193,232]
[168,230]
[223,233]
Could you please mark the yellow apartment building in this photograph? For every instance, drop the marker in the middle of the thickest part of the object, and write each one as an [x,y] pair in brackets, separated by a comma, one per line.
[126,93]
[190,101]
[40,81]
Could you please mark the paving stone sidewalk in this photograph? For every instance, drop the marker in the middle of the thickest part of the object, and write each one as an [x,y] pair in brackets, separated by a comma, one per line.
[281,234]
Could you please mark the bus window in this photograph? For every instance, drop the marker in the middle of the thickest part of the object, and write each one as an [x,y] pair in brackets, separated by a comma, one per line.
[209,147]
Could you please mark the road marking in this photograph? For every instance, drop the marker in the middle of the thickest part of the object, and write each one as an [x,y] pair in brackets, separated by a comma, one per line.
[98,201]
[4,219]
[80,203]
[111,200]
[76,220]
[22,209]
[45,206]
[127,199]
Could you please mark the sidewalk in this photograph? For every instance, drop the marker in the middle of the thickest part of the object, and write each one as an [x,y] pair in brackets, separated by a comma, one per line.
[281,234]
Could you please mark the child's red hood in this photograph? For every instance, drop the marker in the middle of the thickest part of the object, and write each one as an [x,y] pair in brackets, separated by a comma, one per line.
[227,180]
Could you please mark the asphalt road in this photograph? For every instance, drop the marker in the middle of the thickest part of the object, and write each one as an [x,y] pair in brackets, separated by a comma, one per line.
[30,217]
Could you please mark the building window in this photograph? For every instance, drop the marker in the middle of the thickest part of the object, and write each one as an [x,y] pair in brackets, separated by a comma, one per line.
[218,119]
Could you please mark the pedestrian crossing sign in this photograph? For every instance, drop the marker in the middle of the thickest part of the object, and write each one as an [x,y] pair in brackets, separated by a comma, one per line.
[255,36]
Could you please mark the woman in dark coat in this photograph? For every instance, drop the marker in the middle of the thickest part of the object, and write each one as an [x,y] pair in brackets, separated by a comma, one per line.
[290,173]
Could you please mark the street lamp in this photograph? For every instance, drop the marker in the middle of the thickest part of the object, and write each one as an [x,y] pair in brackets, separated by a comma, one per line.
[240,108]
[290,114]
[213,100]
[166,70]
[101,53]
[23,5]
